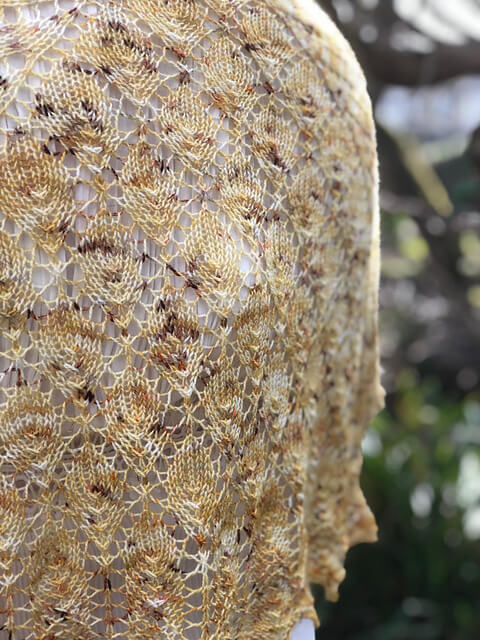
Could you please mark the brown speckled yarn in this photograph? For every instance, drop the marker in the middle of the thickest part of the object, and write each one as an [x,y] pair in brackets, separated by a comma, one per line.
[189,267]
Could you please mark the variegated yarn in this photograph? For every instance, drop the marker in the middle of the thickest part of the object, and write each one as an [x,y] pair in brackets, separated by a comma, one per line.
[189,249]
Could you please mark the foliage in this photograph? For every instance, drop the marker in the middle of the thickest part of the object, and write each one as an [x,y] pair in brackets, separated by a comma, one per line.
[421,475]
[421,580]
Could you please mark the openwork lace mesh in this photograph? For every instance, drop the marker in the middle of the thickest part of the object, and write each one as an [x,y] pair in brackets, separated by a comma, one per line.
[188,300]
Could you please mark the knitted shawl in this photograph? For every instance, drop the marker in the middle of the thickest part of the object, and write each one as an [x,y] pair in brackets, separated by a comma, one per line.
[189,272]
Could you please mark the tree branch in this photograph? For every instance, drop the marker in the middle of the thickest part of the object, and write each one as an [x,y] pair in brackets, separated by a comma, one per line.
[388,65]
[409,68]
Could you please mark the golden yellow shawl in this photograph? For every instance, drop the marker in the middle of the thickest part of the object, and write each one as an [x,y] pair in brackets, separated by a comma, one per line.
[189,270]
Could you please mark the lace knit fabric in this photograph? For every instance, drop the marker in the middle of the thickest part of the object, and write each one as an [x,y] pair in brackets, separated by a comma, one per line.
[189,251]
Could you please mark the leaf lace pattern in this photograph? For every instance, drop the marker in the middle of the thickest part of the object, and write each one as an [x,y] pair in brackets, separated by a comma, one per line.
[189,255]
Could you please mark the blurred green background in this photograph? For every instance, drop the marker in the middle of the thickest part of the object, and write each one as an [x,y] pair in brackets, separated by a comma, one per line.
[421,474]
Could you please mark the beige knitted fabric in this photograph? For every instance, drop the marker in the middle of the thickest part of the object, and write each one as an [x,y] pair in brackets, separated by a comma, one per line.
[189,248]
